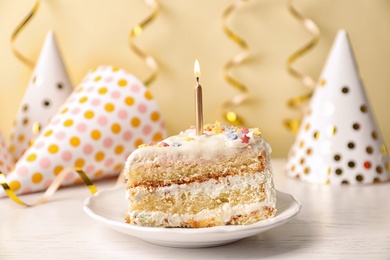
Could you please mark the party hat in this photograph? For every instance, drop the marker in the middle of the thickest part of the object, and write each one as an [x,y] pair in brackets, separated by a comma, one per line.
[106,117]
[6,161]
[339,141]
[47,90]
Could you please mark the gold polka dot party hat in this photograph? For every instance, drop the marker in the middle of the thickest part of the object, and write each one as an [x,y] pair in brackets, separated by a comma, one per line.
[47,90]
[339,141]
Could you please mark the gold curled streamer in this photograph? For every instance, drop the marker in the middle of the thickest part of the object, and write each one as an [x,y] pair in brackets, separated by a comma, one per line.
[227,107]
[17,31]
[138,29]
[299,102]
[50,190]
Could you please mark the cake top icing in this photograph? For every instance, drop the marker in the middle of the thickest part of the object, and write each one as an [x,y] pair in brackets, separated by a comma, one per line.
[215,140]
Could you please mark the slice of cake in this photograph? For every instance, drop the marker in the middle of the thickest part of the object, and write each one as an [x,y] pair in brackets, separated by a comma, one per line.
[222,177]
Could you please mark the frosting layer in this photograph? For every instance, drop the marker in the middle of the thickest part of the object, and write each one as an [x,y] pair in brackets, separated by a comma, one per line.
[213,143]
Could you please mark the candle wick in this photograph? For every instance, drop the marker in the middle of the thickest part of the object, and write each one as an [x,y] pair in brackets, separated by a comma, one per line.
[197,80]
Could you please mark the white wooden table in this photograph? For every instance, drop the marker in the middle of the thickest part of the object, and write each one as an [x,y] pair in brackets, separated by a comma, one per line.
[335,223]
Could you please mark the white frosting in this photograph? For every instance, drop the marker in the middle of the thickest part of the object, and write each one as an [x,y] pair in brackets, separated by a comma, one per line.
[209,145]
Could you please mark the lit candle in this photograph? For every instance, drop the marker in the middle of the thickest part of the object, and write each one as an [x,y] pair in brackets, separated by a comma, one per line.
[198,101]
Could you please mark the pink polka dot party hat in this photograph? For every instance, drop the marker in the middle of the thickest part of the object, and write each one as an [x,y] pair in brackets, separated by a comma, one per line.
[339,141]
[106,117]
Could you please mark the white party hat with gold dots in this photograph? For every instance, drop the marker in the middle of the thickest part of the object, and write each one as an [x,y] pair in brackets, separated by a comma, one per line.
[47,90]
[6,161]
[339,141]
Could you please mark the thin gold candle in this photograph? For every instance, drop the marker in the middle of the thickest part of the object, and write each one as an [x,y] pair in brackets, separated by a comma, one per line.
[198,100]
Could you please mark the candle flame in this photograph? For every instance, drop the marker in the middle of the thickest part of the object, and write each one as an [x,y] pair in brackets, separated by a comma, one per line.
[196,69]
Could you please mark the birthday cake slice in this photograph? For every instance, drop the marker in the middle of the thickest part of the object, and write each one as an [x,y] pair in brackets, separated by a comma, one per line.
[222,177]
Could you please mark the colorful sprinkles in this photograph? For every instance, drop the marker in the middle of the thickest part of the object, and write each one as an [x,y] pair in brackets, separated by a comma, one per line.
[217,128]
[245,139]
[230,133]
[256,131]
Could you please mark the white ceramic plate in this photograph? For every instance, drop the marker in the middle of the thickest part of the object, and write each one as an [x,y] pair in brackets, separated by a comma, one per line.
[110,207]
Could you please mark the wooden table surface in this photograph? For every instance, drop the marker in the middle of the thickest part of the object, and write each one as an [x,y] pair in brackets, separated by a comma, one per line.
[335,223]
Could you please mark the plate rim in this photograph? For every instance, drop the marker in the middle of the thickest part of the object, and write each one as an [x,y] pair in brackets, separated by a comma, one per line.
[267,223]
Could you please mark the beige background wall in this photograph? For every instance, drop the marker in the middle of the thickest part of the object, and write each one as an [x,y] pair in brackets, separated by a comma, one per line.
[92,33]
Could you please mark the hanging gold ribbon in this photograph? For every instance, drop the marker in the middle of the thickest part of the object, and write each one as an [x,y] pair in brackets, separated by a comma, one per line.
[300,102]
[227,107]
[18,30]
[50,190]
[137,30]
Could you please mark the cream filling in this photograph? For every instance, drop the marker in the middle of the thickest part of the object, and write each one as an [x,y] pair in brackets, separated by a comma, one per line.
[225,213]
[212,187]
